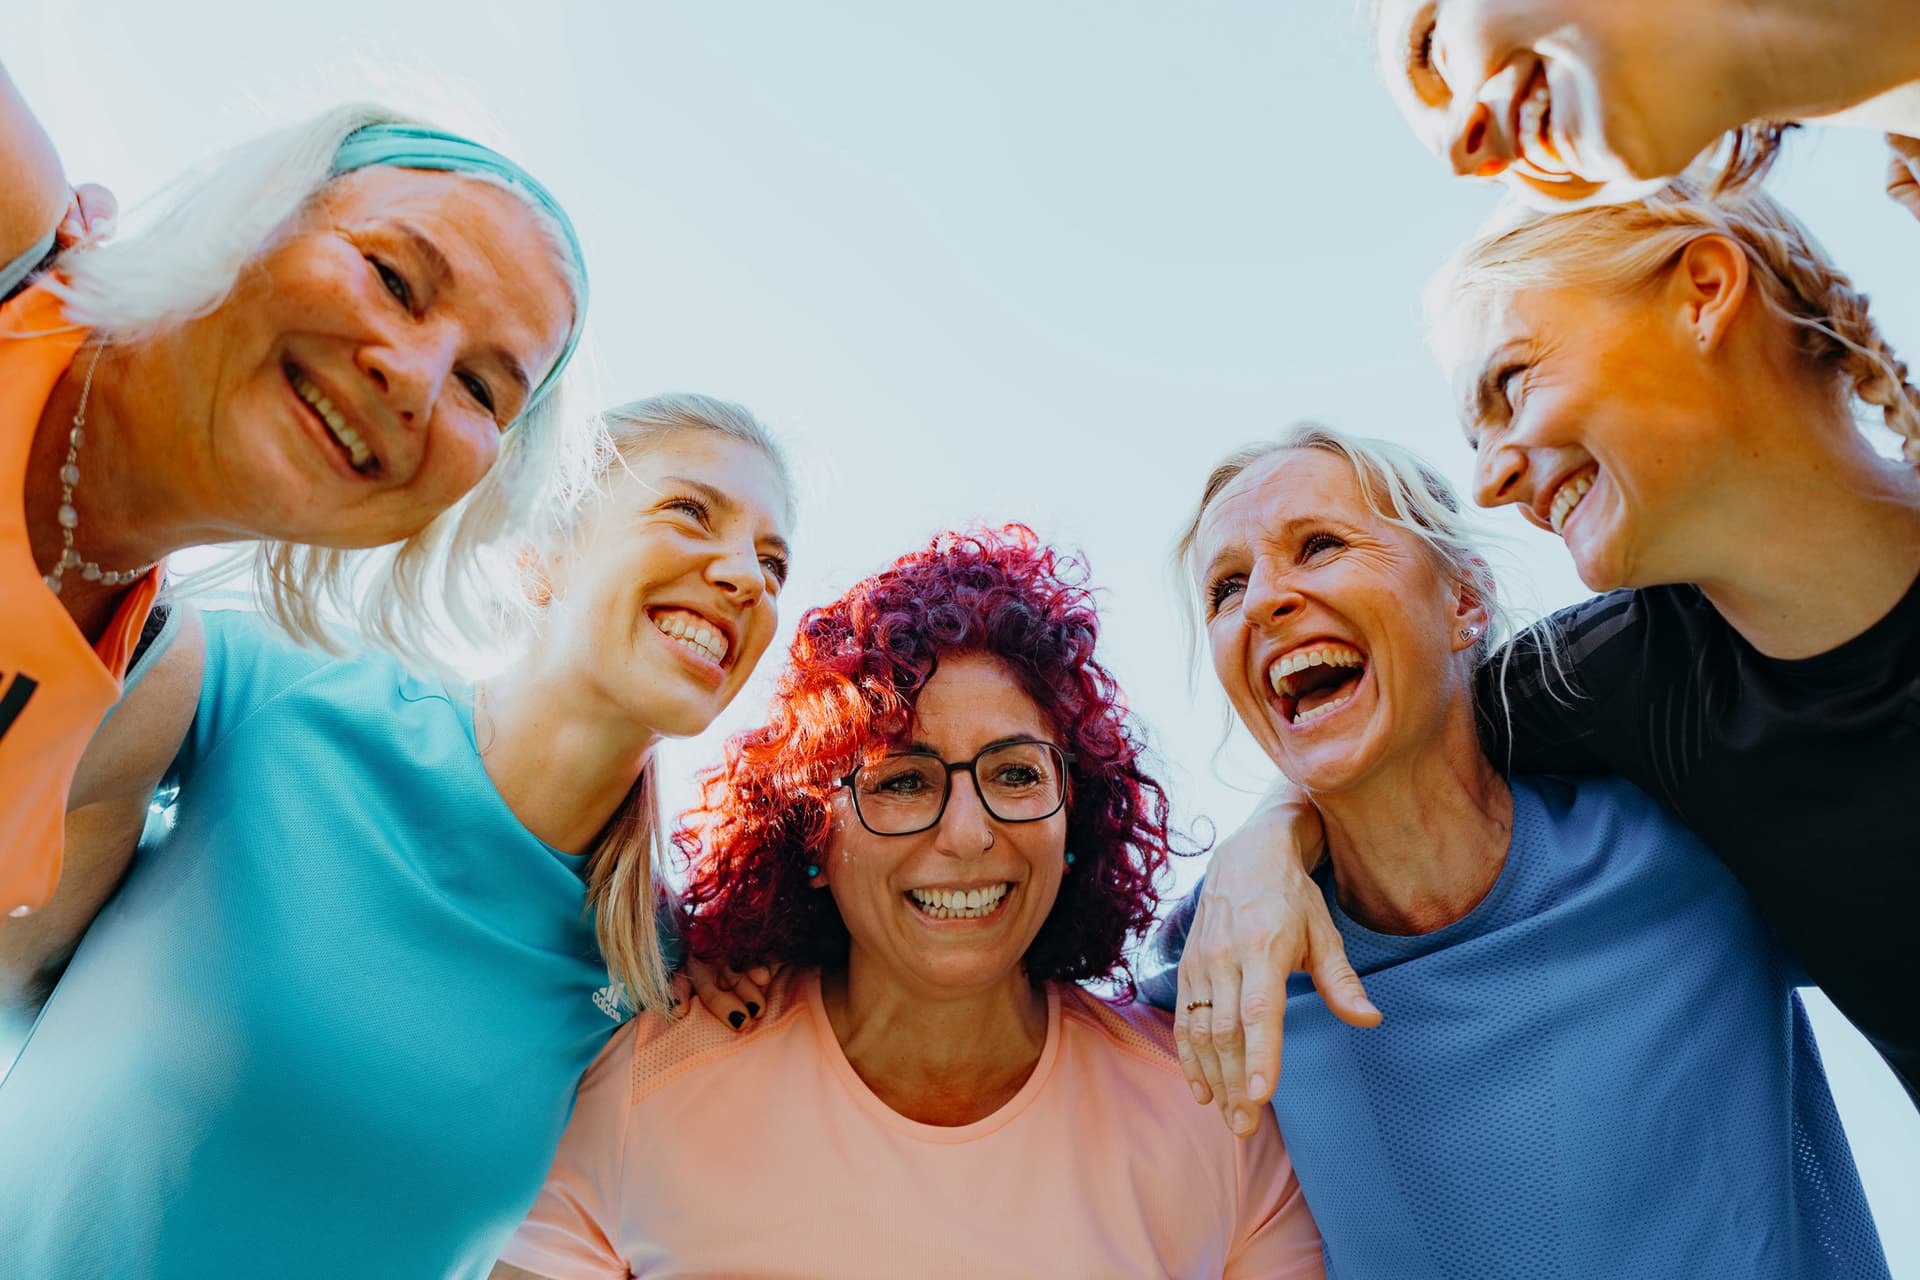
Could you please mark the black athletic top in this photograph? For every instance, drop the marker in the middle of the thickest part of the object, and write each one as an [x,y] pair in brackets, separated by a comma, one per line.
[1803,775]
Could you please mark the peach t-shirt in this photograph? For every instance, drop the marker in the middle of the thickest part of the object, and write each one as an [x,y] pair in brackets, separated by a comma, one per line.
[54,686]
[695,1151]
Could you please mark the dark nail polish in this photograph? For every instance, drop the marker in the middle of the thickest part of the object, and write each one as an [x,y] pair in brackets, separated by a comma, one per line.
[753,1008]
[738,1019]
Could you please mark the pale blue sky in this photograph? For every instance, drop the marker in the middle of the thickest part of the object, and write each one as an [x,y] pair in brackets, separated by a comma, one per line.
[1027,261]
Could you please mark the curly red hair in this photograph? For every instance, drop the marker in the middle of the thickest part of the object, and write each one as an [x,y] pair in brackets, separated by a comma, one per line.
[848,692]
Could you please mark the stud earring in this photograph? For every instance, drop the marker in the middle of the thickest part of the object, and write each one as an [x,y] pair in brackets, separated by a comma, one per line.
[1469,633]
[1069,857]
[813,871]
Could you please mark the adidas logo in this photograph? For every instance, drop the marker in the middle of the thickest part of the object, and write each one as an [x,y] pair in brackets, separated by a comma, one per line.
[609,998]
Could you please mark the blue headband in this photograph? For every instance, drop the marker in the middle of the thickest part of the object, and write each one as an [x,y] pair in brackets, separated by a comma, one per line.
[407,146]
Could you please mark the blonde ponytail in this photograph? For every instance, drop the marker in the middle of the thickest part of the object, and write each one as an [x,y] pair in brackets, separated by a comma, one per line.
[627,895]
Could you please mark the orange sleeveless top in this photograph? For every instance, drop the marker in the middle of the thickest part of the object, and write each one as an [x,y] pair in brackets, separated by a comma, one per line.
[54,687]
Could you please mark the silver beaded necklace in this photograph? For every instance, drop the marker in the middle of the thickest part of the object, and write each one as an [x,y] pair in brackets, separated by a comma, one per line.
[70,517]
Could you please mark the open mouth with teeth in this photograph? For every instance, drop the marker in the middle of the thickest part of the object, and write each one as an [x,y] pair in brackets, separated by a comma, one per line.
[1530,118]
[959,904]
[689,629]
[1569,495]
[359,454]
[1316,680]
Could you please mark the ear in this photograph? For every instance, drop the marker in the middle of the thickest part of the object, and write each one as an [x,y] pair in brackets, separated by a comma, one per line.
[1471,619]
[536,575]
[1709,286]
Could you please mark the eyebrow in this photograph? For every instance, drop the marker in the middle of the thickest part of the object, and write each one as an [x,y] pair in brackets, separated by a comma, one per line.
[437,265]
[1009,739]
[441,270]
[723,501]
[1286,526]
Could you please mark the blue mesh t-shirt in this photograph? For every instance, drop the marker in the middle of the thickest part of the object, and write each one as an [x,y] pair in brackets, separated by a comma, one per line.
[332,1022]
[1601,1070]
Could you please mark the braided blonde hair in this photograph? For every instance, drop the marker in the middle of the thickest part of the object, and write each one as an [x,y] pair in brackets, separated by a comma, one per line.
[1633,244]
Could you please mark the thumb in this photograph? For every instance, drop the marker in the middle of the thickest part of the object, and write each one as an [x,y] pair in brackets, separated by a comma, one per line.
[1337,983]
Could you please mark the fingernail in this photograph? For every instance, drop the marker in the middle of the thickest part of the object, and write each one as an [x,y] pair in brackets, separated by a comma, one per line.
[753,1008]
[1257,1086]
[1243,1122]
[1366,1006]
[1199,1090]
[738,1019]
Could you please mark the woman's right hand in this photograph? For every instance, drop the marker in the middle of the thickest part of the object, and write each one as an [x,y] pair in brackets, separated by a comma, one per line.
[1260,918]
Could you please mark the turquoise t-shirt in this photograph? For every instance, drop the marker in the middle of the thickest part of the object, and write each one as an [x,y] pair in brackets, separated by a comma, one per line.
[332,1022]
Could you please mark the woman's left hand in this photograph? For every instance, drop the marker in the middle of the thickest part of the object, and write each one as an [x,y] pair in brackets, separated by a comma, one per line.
[734,998]
[91,214]
[1903,172]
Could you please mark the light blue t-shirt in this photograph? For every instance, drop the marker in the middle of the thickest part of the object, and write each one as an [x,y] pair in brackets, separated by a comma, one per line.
[332,1023]
[1601,1070]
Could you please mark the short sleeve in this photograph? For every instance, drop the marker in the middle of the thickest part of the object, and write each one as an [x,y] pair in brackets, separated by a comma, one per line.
[572,1230]
[1277,1237]
[248,662]
[15,276]
[1553,700]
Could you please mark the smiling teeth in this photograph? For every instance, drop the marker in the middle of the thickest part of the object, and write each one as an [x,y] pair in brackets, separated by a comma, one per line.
[1328,655]
[693,633]
[336,423]
[1568,498]
[959,904]
[1533,143]
[1308,717]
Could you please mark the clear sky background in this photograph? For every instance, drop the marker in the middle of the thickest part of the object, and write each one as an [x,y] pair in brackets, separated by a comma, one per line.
[990,261]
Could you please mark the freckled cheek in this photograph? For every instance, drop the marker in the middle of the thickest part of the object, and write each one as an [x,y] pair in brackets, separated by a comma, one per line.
[459,457]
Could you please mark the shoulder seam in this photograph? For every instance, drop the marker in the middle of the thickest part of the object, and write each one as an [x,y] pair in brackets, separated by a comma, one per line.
[1166,1060]
[639,1090]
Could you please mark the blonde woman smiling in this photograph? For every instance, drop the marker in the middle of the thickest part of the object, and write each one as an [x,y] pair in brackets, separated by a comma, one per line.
[1573,102]
[344,999]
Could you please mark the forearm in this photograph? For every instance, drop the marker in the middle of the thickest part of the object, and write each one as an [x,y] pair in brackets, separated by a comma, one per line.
[33,186]
[34,949]
[1841,61]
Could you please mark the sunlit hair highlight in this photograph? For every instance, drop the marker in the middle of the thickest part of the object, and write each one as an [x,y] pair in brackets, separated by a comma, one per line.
[854,674]
[182,257]
[1633,245]
[627,885]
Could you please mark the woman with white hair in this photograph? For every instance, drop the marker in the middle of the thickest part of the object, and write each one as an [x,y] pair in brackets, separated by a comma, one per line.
[1670,387]
[323,345]
[1593,1061]
[335,1015]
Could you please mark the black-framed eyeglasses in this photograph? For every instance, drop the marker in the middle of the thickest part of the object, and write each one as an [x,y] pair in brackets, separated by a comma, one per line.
[906,793]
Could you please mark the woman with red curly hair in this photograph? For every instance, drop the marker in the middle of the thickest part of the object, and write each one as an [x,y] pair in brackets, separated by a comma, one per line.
[941,830]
